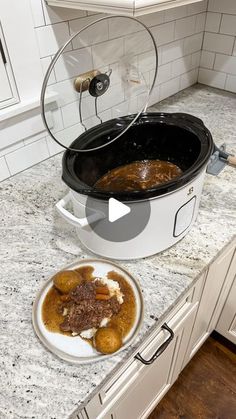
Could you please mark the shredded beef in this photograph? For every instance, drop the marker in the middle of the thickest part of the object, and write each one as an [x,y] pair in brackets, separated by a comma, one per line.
[84,311]
[85,291]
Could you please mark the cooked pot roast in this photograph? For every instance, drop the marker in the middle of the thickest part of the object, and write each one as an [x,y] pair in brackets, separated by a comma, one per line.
[139,175]
[85,309]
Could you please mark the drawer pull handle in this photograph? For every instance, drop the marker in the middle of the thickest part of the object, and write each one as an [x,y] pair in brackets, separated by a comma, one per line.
[160,350]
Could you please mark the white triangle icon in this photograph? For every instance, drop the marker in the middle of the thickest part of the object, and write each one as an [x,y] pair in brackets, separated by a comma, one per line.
[116,210]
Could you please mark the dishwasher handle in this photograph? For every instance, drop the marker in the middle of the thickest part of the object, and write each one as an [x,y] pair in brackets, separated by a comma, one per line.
[160,350]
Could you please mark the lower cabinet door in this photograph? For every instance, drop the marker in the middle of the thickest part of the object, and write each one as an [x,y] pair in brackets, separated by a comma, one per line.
[155,379]
[227,323]
[212,301]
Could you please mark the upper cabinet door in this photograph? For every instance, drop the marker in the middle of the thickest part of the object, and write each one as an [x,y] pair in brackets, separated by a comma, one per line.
[5,87]
[8,92]
[124,7]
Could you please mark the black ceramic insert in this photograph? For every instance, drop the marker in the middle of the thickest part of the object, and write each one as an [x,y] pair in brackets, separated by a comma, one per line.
[179,138]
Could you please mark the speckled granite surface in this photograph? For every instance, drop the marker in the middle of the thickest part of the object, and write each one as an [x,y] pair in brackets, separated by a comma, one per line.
[35,243]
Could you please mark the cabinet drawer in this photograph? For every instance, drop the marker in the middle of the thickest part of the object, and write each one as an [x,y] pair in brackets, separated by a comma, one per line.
[152,383]
[129,372]
[154,380]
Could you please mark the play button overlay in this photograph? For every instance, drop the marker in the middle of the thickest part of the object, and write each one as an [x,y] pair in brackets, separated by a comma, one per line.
[117,221]
[117,210]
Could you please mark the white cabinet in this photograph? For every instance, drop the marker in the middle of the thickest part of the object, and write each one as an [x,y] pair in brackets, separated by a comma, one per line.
[154,380]
[137,387]
[217,284]
[8,92]
[226,325]
[22,55]
[124,7]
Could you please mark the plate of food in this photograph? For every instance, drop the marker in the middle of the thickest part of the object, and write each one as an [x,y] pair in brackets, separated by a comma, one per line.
[88,311]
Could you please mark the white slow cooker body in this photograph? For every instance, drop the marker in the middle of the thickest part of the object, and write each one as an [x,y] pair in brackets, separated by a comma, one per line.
[172,216]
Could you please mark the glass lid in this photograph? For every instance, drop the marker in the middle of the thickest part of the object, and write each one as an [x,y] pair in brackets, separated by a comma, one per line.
[105,71]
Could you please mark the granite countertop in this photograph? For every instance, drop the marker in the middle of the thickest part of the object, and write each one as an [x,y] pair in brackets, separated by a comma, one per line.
[36,242]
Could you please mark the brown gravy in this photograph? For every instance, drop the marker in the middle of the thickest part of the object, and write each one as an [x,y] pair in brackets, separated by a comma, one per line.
[139,175]
[124,320]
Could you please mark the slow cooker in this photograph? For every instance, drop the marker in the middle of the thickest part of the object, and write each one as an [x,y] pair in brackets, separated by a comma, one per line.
[85,85]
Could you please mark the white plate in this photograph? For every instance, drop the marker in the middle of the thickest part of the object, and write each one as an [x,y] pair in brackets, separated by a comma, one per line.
[75,349]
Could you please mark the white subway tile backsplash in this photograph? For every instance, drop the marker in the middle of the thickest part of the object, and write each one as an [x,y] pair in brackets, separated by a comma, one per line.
[105,116]
[231,83]
[185,27]
[70,112]
[4,171]
[198,7]
[114,48]
[53,146]
[172,51]
[182,65]
[95,34]
[234,50]
[200,22]
[120,27]
[218,43]
[163,34]
[11,133]
[225,64]
[152,19]
[164,73]
[27,156]
[222,6]
[73,63]
[213,22]
[169,88]
[179,35]
[228,25]
[146,61]
[9,148]
[33,138]
[207,59]
[155,96]
[212,78]
[196,59]
[193,43]
[60,14]
[45,64]
[66,136]
[175,13]
[188,79]
[57,123]
[218,63]
[112,98]
[65,92]
[125,108]
[51,38]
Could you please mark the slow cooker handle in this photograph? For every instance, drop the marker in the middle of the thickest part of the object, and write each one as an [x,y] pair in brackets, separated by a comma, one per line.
[72,219]
[60,206]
